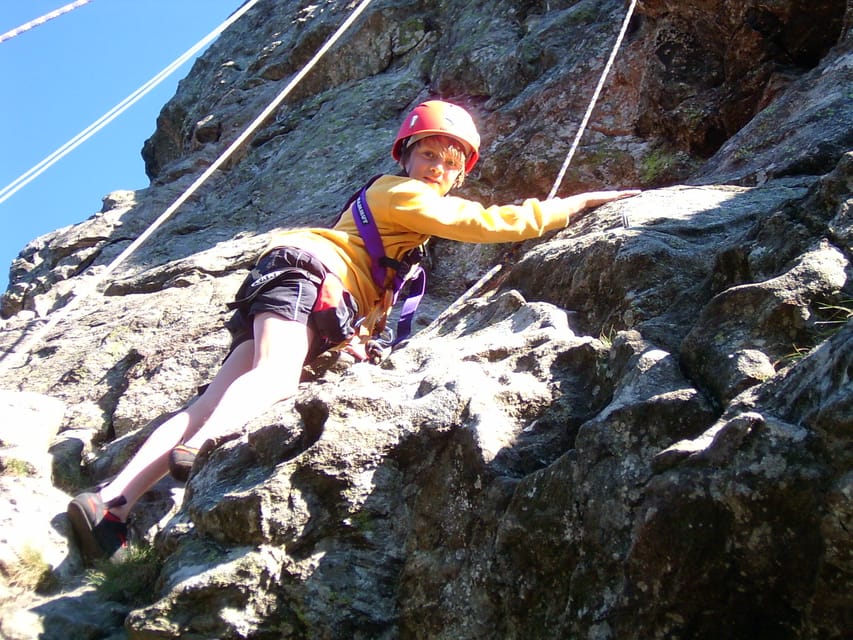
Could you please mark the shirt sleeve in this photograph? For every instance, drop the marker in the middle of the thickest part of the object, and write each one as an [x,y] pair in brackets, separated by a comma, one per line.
[419,209]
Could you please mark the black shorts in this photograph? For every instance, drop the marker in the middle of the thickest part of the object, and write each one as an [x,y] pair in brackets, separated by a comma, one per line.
[293,284]
[293,289]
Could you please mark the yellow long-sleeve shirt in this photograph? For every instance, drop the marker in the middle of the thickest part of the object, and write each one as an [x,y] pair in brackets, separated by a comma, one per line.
[408,212]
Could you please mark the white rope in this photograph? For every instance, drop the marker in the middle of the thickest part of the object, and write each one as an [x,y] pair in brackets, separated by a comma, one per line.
[21,181]
[595,95]
[82,292]
[42,19]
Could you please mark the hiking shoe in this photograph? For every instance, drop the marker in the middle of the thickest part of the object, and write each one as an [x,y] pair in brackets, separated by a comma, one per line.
[181,460]
[99,533]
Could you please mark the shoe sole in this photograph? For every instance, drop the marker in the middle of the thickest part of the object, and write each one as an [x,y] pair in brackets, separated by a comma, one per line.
[82,527]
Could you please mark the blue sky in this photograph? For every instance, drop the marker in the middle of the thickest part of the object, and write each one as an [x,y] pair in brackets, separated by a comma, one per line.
[64,75]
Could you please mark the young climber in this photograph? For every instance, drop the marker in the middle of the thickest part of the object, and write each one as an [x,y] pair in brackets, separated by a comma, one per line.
[311,288]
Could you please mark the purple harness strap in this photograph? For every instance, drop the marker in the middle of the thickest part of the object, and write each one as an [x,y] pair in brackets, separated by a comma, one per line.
[370,234]
[379,267]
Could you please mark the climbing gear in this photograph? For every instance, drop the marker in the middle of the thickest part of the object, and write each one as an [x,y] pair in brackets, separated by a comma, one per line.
[84,289]
[99,533]
[333,313]
[181,459]
[592,102]
[437,117]
[389,275]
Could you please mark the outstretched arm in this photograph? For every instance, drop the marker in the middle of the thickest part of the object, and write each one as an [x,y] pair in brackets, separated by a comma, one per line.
[412,205]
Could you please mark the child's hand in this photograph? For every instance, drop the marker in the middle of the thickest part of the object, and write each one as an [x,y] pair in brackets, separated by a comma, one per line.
[580,204]
[598,198]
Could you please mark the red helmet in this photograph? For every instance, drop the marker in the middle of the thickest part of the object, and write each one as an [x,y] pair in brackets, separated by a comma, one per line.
[440,118]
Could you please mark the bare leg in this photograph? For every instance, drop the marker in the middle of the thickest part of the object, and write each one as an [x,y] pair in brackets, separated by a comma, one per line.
[256,375]
[151,462]
[280,348]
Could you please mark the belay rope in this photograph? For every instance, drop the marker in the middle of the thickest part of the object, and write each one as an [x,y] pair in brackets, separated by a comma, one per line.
[592,102]
[32,24]
[83,290]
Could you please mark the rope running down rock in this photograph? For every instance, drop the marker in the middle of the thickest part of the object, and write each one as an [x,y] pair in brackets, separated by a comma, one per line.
[592,102]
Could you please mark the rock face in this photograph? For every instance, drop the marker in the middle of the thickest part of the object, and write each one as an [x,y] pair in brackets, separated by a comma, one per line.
[639,428]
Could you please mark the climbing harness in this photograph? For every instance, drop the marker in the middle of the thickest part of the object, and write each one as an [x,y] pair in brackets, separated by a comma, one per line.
[42,19]
[334,313]
[406,271]
[390,276]
[595,95]
[84,289]
[24,179]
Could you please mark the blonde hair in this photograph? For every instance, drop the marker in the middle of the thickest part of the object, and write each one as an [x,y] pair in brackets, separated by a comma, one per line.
[455,151]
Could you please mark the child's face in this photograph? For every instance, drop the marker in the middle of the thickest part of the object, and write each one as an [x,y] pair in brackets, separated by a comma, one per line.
[437,162]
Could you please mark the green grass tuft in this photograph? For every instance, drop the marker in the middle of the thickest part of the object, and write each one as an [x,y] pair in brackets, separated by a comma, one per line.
[131,580]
